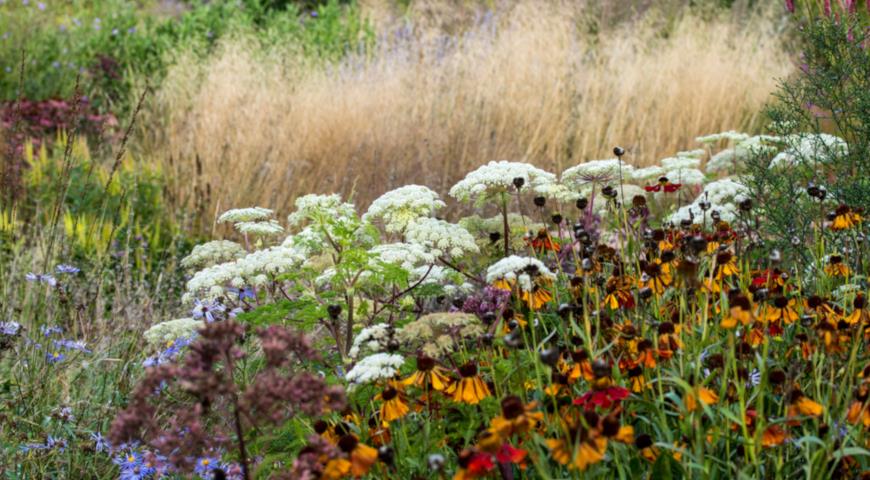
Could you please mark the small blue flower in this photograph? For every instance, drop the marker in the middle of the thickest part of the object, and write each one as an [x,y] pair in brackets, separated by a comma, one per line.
[9,328]
[65,268]
[128,460]
[100,442]
[38,277]
[77,345]
[48,331]
[207,310]
[54,357]
[205,465]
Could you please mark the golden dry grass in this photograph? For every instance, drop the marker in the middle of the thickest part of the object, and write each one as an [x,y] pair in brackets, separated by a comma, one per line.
[252,127]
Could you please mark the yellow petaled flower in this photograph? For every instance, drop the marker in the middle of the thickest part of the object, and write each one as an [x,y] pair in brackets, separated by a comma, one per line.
[503,284]
[361,456]
[470,388]
[773,436]
[589,450]
[336,469]
[801,405]
[537,297]
[858,314]
[836,267]
[740,312]
[782,309]
[515,417]
[726,265]
[428,373]
[705,395]
[393,407]
[845,218]
[657,276]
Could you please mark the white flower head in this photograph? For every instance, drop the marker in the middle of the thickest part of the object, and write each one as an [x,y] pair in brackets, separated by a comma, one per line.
[806,148]
[252,214]
[441,238]
[596,171]
[316,207]
[648,173]
[161,334]
[210,253]
[498,177]
[374,338]
[401,206]
[380,366]
[260,229]
[730,135]
[724,197]
[677,163]
[406,255]
[509,268]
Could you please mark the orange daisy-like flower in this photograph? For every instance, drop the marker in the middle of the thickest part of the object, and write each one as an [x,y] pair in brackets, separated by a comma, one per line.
[542,241]
[580,366]
[536,298]
[859,313]
[515,417]
[782,308]
[618,293]
[360,458]
[726,266]
[700,394]
[801,405]
[470,388]
[773,436]
[669,342]
[740,312]
[657,276]
[844,218]
[836,267]
[394,406]
[429,375]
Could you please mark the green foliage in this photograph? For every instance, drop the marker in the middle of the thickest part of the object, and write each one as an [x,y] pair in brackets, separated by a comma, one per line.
[830,95]
[116,44]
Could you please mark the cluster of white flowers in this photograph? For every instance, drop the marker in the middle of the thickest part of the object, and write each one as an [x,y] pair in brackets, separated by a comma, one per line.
[680,163]
[161,334]
[210,253]
[401,206]
[730,135]
[518,269]
[380,366]
[441,238]
[697,153]
[452,281]
[559,191]
[252,214]
[596,171]
[252,269]
[497,177]
[804,148]
[724,196]
[260,229]
[732,159]
[406,255]
[314,207]
[648,173]
[374,338]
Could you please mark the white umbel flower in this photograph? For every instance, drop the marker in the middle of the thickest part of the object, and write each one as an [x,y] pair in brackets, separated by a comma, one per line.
[596,171]
[698,153]
[686,176]
[498,177]
[724,197]
[730,135]
[509,268]
[559,191]
[678,163]
[401,206]
[805,148]
[380,366]
[161,334]
[210,253]
[260,229]
[406,255]
[210,282]
[441,238]
[252,214]
[271,261]
[314,207]
[648,173]
[731,160]
[374,338]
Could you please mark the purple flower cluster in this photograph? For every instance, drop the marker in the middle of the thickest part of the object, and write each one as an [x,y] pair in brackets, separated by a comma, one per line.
[489,300]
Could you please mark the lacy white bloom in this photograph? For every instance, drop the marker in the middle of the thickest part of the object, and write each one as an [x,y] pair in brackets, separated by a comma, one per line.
[510,268]
[441,238]
[309,241]
[161,334]
[210,282]
[380,366]
[730,135]
[698,153]
[256,269]
[724,197]
[252,214]
[497,177]
[803,148]
[732,159]
[403,205]
[686,176]
[374,338]
[314,207]
[648,173]
[406,255]
[596,171]
[270,261]
[210,253]
[260,229]
[677,163]
[451,280]
[559,191]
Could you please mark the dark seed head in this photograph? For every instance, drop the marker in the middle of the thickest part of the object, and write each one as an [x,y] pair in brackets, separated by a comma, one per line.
[494,237]
[334,311]
[582,203]
[550,356]
[540,201]
[386,454]
[557,219]
[519,182]
[618,151]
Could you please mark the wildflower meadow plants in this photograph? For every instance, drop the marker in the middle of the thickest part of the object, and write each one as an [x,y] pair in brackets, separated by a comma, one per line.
[626,336]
